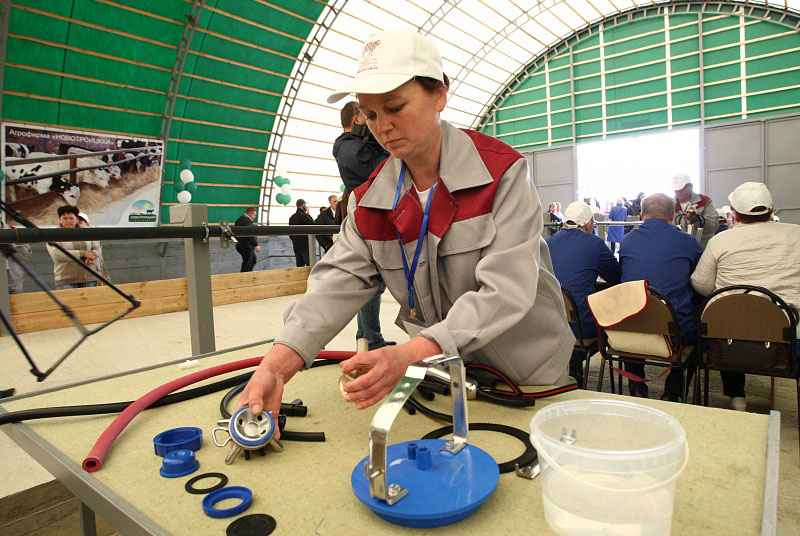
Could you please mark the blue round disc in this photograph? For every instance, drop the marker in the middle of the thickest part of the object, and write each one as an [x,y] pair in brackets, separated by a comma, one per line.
[452,489]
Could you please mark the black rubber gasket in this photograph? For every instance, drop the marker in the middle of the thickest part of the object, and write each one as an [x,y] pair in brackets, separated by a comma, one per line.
[223,480]
[252,525]
[526,458]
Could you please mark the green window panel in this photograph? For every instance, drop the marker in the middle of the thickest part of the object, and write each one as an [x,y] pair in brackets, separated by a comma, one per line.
[726,89]
[588,129]
[685,97]
[684,47]
[562,88]
[635,90]
[274,18]
[725,72]
[772,45]
[127,21]
[522,111]
[96,118]
[59,7]
[231,136]
[530,138]
[38,26]
[123,47]
[214,155]
[248,55]
[564,103]
[161,8]
[528,96]
[586,55]
[560,61]
[217,174]
[587,69]
[560,118]
[722,22]
[590,138]
[725,107]
[219,70]
[211,194]
[522,124]
[533,81]
[91,92]
[686,113]
[263,38]
[583,114]
[561,132]
[762,29]
[588,83]
[113,71]
[721,56]
[595,97]
[774,63]
[776,98]
[35,54]
[774,81]
[228,116]
[637,121]
[685,80]
[723,38]
[241,97]
[32,82]
[635,58]
[631,29]
[559,75]
[636,74]
[309,9]
[632,44]
[757,113]
[683,31]
[684,64]
[589,42]
[22,109]
[638,105]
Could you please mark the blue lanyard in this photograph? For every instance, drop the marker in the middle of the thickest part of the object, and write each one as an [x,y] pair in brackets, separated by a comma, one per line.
[422,232]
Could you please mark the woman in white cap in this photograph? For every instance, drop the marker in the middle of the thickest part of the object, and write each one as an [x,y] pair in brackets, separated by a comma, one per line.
[451,223]
[68,273]
[756,251]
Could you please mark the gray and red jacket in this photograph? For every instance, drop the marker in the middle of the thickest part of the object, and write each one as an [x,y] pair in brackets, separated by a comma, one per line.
[705,207]
[484,283]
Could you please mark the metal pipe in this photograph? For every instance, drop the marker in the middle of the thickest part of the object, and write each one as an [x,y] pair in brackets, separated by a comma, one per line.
[24,235]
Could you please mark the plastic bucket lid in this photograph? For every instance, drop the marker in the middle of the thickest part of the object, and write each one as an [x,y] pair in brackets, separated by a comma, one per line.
[611,437]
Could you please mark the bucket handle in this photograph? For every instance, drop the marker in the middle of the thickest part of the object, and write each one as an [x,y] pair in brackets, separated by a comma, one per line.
[543,452]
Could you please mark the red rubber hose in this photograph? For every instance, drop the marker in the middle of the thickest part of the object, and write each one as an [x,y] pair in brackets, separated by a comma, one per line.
[95,458]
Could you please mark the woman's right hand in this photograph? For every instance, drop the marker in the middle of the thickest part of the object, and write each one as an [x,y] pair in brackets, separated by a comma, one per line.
[90,257]
[264,391]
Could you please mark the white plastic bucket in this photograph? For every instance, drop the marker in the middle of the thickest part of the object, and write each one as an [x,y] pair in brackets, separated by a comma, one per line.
[618,476]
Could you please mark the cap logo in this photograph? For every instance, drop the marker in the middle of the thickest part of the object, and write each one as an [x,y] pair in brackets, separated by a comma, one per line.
[370,47]
[367,62]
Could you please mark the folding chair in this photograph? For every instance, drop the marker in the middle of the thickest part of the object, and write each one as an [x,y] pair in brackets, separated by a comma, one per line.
[587,346]
[653,336]
[751,330]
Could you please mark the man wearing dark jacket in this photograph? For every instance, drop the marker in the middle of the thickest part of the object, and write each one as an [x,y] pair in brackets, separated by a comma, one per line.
[300,242]
[327,216]
[248,245]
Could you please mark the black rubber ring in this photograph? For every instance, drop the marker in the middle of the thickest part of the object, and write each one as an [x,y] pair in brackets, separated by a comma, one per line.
[252,525]
[526,458]
[223,480]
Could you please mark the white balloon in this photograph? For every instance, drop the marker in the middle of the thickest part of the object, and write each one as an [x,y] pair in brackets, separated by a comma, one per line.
[184,196]
[286,189]
[280,172]
[187,176]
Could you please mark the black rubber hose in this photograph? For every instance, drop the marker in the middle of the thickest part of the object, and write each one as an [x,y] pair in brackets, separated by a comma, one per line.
[418,406]
[293,409]
[526,458]
[117,407]
[288,435]
[509,400]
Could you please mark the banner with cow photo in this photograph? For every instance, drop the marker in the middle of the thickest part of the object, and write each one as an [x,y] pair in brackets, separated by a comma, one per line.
[115,180]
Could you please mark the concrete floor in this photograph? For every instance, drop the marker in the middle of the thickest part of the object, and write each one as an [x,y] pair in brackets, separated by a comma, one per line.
[140,342]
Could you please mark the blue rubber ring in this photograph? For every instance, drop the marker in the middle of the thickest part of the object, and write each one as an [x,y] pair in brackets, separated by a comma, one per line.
[230,492]
[251,443]
[187,437]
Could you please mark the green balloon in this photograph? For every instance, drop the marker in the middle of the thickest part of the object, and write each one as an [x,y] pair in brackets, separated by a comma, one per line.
[287,198]
[186,163]
[341,187]
[286,181]
[191,187]
[179,186]
[279,199]
[278,180]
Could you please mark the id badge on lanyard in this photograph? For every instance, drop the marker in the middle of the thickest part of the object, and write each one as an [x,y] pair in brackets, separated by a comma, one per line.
[413,325]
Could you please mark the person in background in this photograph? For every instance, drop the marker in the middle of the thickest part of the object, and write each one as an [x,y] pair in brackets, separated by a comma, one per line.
[553,219]
[615,232]
[15,272]
[636,206]
[665,257]
[579,256]
[248,245]
[302,255]
[722,220]
[558,211]
[69,274]
[327,216]
[99,265]
[756,251]
[693,208]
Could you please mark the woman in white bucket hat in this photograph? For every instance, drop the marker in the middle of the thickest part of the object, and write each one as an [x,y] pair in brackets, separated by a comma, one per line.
[451,223]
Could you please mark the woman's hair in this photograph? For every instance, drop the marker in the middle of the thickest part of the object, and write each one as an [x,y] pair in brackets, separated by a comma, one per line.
[431,85]
[66,209]
[745,218]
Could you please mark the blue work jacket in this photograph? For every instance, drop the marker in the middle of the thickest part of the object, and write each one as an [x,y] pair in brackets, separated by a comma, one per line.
[617,213]
[666,257]
[578,258]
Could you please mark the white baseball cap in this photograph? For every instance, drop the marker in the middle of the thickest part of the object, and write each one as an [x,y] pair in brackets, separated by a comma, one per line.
[680,180]
[84,217]
[751,199]
[391,58]
[578,214]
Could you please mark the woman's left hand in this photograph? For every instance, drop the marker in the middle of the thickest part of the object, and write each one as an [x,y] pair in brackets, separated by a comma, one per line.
[387,367]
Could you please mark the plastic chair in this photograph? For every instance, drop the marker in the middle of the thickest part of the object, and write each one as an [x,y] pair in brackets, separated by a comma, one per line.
[659,319]
[750,330]
[587,346]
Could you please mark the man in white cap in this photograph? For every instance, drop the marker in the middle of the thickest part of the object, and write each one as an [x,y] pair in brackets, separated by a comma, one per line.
[579,256]
[755,251]
[693,208]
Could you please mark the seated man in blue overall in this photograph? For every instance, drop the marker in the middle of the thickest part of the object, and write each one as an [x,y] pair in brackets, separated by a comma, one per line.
[579,256]
[660,253]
